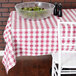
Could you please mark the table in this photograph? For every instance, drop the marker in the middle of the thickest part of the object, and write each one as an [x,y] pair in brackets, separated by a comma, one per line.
[32,37]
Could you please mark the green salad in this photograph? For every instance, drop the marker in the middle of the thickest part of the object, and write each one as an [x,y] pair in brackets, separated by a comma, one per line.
[32,8]
[33,12]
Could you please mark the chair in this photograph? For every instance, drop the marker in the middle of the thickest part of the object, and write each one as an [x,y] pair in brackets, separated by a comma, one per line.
[64,61]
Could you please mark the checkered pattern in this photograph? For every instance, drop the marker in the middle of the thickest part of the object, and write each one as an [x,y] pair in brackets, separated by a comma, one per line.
[32,37]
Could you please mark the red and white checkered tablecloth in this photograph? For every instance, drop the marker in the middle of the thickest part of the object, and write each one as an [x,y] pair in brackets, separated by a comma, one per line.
[32,37]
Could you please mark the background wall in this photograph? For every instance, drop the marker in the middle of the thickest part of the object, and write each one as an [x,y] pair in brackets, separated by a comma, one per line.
[6,6]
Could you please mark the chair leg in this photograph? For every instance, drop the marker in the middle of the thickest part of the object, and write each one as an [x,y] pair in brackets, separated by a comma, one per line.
[56,71]
[52,68]
[59,70]
[59,74]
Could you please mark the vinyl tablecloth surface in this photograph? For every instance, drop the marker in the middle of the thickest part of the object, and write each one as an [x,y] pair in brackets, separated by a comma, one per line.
[32,37]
